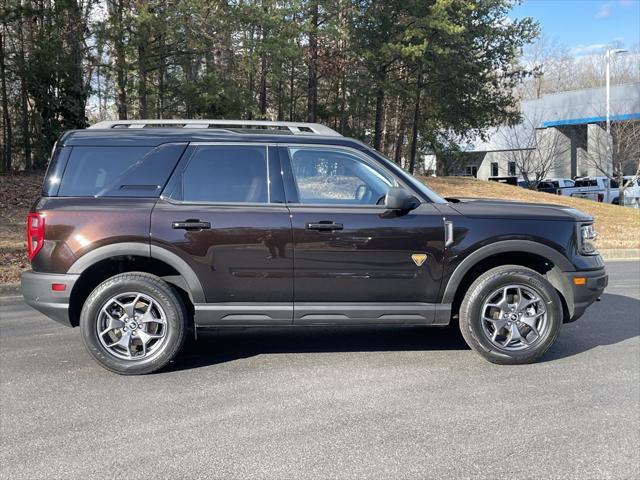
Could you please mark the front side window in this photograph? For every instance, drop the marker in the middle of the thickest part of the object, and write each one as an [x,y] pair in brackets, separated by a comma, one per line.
[328,176]
[226,174]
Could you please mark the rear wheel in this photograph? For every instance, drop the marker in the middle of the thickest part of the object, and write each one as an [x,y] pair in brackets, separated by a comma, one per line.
[133,323]
[511,315]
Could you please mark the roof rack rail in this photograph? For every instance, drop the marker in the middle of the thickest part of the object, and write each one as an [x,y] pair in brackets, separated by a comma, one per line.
[296,128]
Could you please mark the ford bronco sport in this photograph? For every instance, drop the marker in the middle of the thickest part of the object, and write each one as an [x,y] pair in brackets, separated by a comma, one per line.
[148,230]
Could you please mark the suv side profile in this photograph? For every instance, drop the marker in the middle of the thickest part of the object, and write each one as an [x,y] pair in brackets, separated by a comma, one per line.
[143,235]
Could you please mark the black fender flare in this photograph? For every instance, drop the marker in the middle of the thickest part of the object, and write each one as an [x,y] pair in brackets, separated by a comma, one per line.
[503,246]
[143,250]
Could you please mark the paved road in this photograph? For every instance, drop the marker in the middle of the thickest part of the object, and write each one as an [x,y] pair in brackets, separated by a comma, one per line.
[321,403]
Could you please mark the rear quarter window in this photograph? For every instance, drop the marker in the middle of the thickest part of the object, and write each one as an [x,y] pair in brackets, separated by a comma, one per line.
[118,171]
[58,162]
[586,183]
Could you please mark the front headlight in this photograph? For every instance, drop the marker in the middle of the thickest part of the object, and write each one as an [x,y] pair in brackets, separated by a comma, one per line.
[587,240]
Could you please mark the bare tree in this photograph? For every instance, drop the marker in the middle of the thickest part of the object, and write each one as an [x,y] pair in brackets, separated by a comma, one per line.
[555,68]
[625,155]
[535,151]
[6,119]
[548,60]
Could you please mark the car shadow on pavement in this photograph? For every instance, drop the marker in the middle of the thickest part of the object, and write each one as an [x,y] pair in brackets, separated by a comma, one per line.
[608,322]
[614,319]
[223,345]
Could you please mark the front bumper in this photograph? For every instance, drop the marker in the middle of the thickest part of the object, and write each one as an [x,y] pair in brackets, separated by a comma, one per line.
[585,295]
[38,293]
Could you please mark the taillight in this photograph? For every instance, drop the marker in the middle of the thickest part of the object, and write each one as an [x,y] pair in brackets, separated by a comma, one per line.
[35,233]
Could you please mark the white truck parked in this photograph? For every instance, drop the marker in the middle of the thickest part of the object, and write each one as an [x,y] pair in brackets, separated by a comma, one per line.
[595,188]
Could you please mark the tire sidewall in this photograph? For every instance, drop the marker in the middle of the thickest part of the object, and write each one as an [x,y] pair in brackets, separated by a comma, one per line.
[161,293]
[479,294]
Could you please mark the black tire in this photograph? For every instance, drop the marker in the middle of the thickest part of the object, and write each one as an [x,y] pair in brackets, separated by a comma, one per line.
[478,293]
[148,285]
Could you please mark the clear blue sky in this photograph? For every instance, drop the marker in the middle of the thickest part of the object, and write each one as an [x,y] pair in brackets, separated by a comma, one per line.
[585,26]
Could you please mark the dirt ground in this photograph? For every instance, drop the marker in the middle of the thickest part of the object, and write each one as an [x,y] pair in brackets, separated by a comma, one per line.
[17,193]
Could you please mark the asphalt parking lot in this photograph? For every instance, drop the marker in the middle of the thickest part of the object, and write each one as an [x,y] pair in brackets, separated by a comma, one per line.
[328,403]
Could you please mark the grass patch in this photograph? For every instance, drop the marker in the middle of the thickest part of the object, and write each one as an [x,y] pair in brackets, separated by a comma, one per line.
[617,227]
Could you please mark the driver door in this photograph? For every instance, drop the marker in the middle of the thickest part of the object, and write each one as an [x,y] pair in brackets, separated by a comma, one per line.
[353,259]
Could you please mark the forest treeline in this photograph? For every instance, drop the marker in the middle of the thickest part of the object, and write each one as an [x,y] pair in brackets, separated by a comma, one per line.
[406,76]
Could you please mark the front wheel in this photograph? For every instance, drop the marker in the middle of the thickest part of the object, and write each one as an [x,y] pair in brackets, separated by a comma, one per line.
[133,323]
[511,315]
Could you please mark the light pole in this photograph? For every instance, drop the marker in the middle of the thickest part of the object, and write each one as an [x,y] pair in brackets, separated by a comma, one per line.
[609,155]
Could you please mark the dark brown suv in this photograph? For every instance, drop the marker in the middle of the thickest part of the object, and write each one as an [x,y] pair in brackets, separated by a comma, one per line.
[148,230]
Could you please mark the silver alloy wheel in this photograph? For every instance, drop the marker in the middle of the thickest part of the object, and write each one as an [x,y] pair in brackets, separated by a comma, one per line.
[132,326]
[514,317]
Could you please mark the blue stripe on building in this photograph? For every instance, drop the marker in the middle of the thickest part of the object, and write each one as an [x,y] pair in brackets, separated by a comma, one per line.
[585,120]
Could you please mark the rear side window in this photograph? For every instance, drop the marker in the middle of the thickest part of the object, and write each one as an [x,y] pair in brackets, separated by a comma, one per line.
[226,174]
[586,183]
[119,171]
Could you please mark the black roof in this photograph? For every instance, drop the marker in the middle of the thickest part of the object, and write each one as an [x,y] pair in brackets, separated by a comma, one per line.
[151,137]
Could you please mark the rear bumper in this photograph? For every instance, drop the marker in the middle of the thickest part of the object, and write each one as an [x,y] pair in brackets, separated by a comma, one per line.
[38,293]
[585,295]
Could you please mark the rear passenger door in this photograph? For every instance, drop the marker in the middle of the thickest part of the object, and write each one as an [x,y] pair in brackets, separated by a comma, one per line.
[223,212]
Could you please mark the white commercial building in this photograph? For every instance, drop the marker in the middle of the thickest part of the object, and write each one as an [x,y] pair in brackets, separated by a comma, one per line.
[563,128]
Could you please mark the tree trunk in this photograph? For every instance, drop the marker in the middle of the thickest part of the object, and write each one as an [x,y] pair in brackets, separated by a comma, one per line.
[312,84]
[399,142]
[121,61]
[416,121]
[391,133]
[377,136]
[7,135]
[263,87]
[292,85]
[76,93]
[161,75]
[143,38]
[24,106]
[280,100]
[343,106]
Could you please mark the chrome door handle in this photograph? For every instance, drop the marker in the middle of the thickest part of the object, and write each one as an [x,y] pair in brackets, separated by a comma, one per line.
[191,225]
[324,226]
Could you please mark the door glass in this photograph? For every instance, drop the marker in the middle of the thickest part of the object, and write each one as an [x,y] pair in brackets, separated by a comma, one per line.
[226,174]
[327,176]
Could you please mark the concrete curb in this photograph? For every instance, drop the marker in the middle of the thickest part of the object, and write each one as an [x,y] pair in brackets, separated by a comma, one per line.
[620,253]
[9,289]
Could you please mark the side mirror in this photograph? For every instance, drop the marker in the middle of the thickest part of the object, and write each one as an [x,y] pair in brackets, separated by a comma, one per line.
[400,199]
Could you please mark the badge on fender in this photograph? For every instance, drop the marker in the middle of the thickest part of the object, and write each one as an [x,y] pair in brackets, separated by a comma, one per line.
[419,258]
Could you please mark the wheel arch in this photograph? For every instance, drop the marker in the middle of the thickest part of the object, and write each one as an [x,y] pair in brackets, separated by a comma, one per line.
[106,261]
[539,257]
